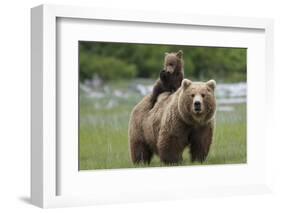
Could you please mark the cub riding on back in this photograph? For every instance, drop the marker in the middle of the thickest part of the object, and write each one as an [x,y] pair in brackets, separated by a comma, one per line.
[170,77]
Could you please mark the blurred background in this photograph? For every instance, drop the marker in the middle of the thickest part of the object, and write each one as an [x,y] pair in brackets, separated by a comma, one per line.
[127,61]
[115,76]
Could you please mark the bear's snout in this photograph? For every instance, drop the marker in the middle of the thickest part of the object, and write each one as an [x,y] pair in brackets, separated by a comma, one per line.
[170,69]
[197,106]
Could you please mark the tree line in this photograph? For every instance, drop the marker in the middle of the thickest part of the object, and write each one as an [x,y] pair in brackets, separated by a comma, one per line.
[113,61]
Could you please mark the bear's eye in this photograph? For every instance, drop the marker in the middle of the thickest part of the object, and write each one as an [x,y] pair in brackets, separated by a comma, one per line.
[203,95]
[170,64]
[192,95]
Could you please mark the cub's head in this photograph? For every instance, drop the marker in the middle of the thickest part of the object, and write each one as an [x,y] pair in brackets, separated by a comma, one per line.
[197,102]
[173,62]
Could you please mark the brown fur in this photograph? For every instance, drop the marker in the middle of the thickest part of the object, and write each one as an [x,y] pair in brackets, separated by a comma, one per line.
[174,124]
[170,77]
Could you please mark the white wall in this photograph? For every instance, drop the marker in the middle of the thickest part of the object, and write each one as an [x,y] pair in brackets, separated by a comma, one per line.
[15,99]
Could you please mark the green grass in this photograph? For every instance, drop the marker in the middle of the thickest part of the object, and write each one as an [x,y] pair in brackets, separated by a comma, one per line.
[104,137]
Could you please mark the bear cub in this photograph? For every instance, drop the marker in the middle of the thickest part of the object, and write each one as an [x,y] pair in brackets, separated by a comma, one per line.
[170,77]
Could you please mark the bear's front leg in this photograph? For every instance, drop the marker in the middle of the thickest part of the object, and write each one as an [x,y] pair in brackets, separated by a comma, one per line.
[156,91]
[200,139]
[169,150]
[163,75]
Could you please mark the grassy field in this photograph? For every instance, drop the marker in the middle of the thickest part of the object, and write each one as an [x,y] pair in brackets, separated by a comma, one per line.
[104,126]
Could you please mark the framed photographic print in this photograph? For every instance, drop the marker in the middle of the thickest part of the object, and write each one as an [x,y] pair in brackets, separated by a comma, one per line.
[129,106]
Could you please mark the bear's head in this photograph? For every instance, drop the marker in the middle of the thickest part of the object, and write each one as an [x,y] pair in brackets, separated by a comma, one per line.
[173,62]
[197,102]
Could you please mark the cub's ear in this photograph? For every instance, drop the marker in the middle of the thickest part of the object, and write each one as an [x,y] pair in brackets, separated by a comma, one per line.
[179,54]
[185,83]
[211,84]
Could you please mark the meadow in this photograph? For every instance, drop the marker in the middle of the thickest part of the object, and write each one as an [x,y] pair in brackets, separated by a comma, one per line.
[104,116]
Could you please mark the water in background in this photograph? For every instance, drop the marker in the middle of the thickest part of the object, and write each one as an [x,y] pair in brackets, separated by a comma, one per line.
[109,96]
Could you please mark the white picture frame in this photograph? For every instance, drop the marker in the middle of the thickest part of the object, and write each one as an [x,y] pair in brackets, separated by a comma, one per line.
[46,166]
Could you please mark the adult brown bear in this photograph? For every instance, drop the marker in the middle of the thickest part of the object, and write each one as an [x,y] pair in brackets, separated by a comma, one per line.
[179,120]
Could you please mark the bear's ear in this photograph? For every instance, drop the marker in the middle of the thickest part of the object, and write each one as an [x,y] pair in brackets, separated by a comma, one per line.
[179,54]
[166,53]
[211,84]
[185,83]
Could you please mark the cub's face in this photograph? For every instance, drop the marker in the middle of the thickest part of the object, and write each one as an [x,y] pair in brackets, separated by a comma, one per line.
[173,62]
[197,100]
